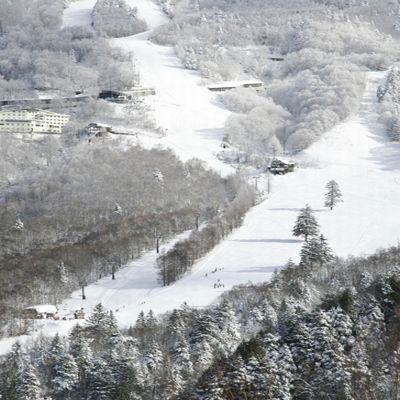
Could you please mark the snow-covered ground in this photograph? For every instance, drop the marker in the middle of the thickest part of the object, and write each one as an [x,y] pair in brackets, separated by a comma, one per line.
[79,13]
[187,111]
[355,153]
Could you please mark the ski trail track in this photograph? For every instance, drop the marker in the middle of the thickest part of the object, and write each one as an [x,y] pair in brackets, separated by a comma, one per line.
[356,153]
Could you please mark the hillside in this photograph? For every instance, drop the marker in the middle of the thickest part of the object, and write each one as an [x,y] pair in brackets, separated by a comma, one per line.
[319,109]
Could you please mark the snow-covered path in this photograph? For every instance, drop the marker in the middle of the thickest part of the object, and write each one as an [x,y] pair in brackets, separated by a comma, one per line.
[187,111]
[355,153]
[79,13]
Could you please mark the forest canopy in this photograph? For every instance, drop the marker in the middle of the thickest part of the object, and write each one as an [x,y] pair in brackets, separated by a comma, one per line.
[114,18]
[46,56]
[326,47]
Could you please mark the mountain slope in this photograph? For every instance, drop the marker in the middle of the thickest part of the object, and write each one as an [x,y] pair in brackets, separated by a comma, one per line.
[356,154]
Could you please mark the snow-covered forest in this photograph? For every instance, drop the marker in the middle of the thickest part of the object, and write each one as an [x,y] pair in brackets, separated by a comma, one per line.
[38,54]
[115,18]
[91,217]
[218,220]
[389,97]
[313,332]
[317,84]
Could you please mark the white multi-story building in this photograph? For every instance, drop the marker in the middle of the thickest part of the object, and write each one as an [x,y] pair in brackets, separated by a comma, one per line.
[32,121]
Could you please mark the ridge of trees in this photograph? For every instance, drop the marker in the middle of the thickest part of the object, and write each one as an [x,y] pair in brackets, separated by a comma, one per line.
[319,83]
[389,98]
[114,18]
[37,53]
[176,262]
[95,209]
[312,331]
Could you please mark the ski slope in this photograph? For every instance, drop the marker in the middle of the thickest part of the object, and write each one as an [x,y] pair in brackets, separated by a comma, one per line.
[78,13]
[356,154]
[187,111]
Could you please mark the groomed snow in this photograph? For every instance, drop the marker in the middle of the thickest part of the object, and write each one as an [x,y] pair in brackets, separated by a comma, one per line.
[355,153]
[78,13]
[187,111]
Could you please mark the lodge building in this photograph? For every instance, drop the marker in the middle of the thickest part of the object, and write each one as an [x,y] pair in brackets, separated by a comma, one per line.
[32,121]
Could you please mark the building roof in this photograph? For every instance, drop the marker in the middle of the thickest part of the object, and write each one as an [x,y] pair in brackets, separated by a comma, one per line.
[234,84]
[44,309]
[33,110]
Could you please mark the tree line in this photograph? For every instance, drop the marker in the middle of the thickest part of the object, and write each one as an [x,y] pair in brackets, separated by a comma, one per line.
[312,332]
[37,53]
[95,209]
[318,83]
[176,262]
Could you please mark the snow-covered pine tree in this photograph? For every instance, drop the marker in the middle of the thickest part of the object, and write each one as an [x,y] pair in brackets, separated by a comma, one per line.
[390,90]
[101,327]
[203,340]
[329,374]
[100,381]
[279,368]
[228,325]
[237,381]
[182,364]
[82,353]
[28,385]
[19,381]
[214,389]
[333,195]
[65,377]
[326,254]
[306,224]
[125,373]
[315,251]
[153,357]
[8,378]
[62,371]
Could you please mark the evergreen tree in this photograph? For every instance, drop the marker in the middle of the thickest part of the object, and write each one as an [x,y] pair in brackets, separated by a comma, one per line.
[182,364]
[330,377]
[315,250]
[28,385]
[203,340]
[306,224]
[170,381]
[62,370]
[101,385]
[101,327]
[18,380]
[214,389]
[9,375]
[153,357]
[82,353]
[238,379]
[325,252]
[175,328]
[279,368]
[333,195]
[228,326]
[125,372]
[256,372]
